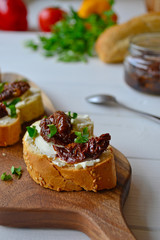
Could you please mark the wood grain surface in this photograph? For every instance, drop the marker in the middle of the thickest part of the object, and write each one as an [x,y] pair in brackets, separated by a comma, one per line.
[23,203]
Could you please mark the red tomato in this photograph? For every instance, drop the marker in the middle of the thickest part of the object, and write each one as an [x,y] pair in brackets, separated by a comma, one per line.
[13,15]
[114,17]
[49,16]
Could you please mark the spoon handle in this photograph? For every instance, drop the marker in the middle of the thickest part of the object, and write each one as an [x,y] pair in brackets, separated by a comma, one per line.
[140,112]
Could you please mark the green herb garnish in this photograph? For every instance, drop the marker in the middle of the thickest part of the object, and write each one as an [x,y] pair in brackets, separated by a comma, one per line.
[82,137]
[14,102]
[5,177]
[2,86]
[32,131]
[52,129]
[72,115]
[16,171]
[12,107]
[13,111]
[72,38]
[111,2]
[31,44]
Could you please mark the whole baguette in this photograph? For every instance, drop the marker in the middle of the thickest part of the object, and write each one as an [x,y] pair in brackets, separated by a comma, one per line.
[10,133]
[112,44]
[44,172]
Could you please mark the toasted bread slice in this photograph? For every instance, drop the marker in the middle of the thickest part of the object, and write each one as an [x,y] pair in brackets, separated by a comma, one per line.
[10,129]
[56,174]
[31,106]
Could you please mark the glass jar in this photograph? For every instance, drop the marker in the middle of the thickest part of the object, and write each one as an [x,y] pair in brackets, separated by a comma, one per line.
[142,65]
[153,5]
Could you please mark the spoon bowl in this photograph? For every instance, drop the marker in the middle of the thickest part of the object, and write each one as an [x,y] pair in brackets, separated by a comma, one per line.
[102,99]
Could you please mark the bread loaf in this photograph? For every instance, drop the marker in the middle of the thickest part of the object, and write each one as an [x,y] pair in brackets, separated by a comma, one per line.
[112,44]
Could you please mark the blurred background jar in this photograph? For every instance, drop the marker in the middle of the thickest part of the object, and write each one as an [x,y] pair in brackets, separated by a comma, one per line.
[142,65]
[153,5]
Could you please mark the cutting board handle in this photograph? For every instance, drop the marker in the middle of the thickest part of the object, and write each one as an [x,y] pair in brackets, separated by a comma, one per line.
[103,226]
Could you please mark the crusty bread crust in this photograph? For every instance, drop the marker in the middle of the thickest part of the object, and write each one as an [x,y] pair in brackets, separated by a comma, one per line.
[44,172]
[10,133]
[112,44]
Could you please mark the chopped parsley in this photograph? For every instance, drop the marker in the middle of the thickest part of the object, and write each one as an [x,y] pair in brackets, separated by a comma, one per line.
[12,106]
[72,115]
[52,129]
[16,171]
[31,44]
[2,86]
[5,177]
[82,137]
[73,38]
[32,131]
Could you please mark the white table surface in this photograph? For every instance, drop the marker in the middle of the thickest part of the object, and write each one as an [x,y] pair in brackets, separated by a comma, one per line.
[137,137]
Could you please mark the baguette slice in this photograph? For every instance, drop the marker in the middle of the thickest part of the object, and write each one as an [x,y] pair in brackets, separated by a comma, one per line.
[10,129]
[31,106]
[112,44]
[44,170]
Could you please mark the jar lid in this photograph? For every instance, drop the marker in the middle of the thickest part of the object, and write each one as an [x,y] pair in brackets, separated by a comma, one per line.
[147,42]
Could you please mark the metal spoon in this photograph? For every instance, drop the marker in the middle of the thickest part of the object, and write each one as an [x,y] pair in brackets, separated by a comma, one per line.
[103,99]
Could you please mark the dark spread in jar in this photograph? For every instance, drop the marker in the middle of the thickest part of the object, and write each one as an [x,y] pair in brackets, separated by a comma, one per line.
[142,65]
[3,110]
[70,151]
[146,80]
[14,89]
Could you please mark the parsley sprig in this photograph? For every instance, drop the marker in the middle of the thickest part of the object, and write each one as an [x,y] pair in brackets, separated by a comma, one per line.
[72,115]
[73,38]
[32,131]
[16,171]
[12,106]
[5,177]
[82,137]
[52,129]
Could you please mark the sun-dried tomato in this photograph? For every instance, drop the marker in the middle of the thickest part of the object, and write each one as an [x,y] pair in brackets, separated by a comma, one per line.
[75,152]
[3,111]
[63,125]
[14,89]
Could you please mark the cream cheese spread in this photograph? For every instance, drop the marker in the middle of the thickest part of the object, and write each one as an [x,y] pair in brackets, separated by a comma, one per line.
[81,122]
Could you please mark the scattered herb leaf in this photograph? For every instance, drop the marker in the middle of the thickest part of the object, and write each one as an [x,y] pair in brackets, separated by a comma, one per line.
[52,129]
[31,44]
[72,115]
[5,177]
[17,171]
[82,137]
[32,131]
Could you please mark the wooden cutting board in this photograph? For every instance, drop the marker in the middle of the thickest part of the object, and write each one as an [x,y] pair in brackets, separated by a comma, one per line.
[23,203]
